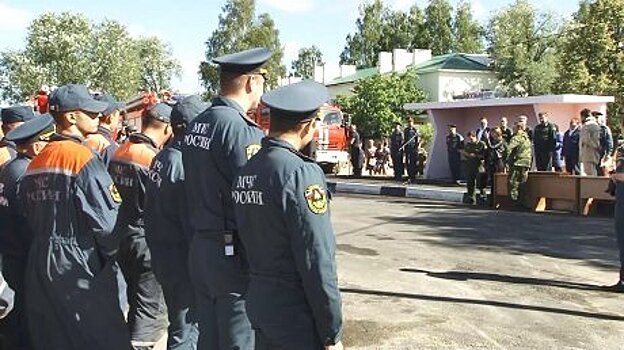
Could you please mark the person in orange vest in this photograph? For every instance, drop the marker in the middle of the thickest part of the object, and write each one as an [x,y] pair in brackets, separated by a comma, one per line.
[12,117]
[103,141]
[71,205]
[129,167]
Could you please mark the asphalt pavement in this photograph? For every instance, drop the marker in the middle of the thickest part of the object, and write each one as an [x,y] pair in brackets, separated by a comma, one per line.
[433,275]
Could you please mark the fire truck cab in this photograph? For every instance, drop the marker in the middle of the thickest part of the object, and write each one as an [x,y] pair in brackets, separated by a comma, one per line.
[330,148]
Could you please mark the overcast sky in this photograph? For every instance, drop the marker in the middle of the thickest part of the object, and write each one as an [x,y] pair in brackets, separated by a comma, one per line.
[185,25]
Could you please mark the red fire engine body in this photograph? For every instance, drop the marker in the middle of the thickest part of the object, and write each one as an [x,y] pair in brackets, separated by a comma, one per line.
[331,151]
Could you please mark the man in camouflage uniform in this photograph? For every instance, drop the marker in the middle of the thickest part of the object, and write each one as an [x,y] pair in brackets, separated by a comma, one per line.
[519,160]
[474,155]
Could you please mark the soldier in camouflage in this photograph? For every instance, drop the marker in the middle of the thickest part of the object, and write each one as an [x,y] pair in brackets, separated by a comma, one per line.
[519,161]
[474,155]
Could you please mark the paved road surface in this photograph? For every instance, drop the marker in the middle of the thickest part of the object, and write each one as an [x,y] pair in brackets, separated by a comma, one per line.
[424,275]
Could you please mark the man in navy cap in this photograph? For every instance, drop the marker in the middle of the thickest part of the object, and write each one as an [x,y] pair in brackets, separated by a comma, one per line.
[281,201]
[29,138]
[103,141]
[129,167]
[12,117]
[216,145]
[168,231]
[71,204]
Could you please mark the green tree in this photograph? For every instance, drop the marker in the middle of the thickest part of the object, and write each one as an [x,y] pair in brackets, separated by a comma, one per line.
[239,29]
[381,29]
[377,102]
[523,44]
[362,47]
[592,54]
[439,21]
[114,67]
[468,34]
[157,67]
[307,59]
[68,48]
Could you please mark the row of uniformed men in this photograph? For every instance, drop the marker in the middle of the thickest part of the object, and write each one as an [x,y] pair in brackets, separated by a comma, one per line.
[255,232]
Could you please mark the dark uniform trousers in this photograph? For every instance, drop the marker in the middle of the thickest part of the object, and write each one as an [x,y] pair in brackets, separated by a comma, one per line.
[147,316]
[293,301]
[396,152]
[15,238]
[71,292]
[411,161]
[543,160]
[454,160]
[619,224]
[168,235]
[216,145]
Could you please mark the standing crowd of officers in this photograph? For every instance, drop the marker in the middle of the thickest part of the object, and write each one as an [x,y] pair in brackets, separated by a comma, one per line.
[219,234]
[586,148]
[405,151]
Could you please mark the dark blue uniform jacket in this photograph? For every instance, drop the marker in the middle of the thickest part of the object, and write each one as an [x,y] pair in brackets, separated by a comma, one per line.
[71,289]
[282,207]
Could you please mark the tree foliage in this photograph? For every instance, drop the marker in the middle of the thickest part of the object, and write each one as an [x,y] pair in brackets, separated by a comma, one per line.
[592,56]
[68,48]
[438,19]
[467,32]
[523,44]
[238,30]
[157,67]
[307,59]
[381,29]
[377,102]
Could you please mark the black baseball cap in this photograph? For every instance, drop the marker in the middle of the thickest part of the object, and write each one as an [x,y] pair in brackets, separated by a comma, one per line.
[17,114]
[74,97]
[38,129]
[187,109]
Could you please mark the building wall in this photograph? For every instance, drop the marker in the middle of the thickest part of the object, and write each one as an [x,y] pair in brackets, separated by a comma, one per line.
[452,83]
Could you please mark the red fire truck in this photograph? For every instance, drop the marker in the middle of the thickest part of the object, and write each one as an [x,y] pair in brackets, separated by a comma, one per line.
[331,151]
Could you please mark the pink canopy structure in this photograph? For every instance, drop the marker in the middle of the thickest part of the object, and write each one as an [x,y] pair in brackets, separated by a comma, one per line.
[467,113]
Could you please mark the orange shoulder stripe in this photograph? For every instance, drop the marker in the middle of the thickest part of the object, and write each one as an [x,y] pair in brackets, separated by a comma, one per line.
[66,156]
[135,153]
[97,142]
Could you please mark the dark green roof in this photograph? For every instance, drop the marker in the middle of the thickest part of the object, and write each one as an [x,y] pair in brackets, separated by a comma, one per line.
[453,61]
[359,74]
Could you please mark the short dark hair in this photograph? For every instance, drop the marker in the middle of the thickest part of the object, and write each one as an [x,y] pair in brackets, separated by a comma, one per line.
[282,122]
[471,133]
[586,112]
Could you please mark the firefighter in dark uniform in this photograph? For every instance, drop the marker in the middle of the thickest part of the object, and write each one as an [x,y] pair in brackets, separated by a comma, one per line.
[281,202]
[216,145]
[30,138]
[544,142]
[129,167]
[71,205]
[454,145]
[103,141]
[356,154]
[411,146]
[168,232]
[12,117]
[396,152]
